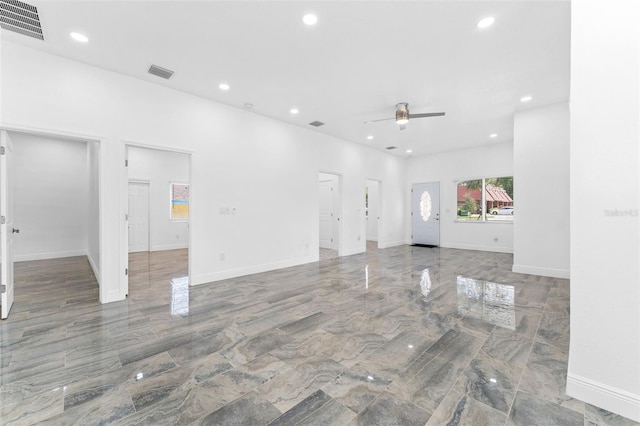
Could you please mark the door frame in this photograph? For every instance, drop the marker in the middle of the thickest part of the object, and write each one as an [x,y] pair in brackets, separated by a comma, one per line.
[148,183]
[124,202]
[337,206]
[378,226]
[101,272]
[6,237]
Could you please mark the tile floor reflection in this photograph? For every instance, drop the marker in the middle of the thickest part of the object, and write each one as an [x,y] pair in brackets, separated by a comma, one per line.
[405,336]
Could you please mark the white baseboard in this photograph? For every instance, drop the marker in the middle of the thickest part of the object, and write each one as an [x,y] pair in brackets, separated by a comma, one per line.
[384,245]
[161,247]
[495,249]
[50,255]
[545,272]
[249,270]
[94,266]
[357,250]
[615,400]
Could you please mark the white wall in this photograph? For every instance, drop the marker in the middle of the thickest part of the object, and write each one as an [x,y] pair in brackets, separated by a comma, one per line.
[449,168]
[266,169]
[51,197]
[160,169]
[541,191]
[374,209]
[604,357]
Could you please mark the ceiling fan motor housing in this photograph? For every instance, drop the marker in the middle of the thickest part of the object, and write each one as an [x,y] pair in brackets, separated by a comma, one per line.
[402,113]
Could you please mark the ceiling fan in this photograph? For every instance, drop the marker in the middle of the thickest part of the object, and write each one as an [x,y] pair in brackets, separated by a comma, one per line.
[402,115]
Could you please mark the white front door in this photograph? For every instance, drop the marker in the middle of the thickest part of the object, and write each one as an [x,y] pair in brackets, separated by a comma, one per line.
[138,216]
[326,215]
[425,211]
[6,222]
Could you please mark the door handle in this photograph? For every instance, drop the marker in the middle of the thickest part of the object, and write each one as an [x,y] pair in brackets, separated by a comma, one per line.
[15,231]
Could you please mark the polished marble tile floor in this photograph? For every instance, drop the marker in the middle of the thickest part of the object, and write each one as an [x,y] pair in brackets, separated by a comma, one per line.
[400,336]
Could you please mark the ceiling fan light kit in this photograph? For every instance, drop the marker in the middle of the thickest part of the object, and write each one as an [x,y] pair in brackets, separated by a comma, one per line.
[402,113]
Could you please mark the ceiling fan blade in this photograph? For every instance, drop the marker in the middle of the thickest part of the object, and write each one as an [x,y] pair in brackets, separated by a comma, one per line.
[426,114]
[380,119]
[402,126]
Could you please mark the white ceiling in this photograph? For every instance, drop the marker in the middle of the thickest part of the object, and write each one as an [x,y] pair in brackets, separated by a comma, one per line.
[353,66]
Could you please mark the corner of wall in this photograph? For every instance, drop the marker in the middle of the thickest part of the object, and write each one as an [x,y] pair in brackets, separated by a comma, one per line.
[603,396]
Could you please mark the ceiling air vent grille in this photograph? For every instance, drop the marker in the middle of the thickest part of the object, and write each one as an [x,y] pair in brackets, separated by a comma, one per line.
[316,123]
[391,147]
[21,18]
[160,72]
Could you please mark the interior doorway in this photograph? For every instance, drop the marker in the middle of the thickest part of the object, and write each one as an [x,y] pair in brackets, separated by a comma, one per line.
[158,214]
[329,215]
[372,212]
[50,202]
[138,216]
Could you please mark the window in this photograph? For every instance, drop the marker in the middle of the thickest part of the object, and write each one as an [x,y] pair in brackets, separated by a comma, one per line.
[179,198]
[486,200]
[425,206]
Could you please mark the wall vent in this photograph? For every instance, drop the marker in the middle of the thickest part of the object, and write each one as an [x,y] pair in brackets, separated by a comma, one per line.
[160,72]
[21,18]
[316,123]
[391,147]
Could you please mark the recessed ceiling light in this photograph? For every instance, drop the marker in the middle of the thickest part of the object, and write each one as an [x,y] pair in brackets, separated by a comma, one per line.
[493,135]
[294,111]
[525,98]
[248,105]
[369,137]
[409,151]
[79,37]
[310,19]
[224,86]
[486,22]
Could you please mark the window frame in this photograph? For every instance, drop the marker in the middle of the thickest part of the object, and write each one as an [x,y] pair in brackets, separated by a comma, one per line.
[485,212]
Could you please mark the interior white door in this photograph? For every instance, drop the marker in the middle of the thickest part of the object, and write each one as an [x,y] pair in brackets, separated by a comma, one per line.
[425,212]
[326,215]
[6,223]
[138,216]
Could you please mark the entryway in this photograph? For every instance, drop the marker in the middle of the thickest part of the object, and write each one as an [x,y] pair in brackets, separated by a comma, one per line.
[49,202]
[372,212]
[329,217]
[425,212]
[158,223]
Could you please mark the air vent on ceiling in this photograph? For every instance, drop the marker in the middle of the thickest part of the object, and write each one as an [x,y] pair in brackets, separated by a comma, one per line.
[160,72]
[391,147]
[21,18]
[316,123]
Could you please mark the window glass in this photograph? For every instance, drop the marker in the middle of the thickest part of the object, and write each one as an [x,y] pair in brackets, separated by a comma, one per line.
[425,206]
[488,199]
[179,201]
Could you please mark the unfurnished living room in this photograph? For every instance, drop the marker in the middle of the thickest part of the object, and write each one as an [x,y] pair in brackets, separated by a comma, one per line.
[320,212]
